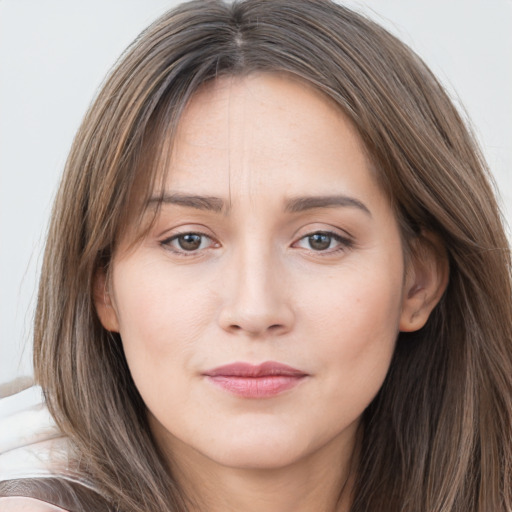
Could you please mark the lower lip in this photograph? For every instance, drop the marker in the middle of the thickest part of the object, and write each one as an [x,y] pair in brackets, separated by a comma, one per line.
[256,387]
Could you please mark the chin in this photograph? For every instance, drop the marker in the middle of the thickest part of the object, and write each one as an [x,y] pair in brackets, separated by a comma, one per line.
[264,456]
[259,448]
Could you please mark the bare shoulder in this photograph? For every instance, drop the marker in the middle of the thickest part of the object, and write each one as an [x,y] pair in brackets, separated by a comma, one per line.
[21,504]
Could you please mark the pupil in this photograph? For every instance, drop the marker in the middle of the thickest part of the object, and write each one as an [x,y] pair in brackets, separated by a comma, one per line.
[319,241]
[189,242]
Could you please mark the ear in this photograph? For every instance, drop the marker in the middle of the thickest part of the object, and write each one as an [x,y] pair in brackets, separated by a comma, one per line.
[426,280]
[103,302]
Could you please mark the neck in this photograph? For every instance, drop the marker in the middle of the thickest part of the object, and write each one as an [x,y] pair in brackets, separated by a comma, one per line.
[322,481]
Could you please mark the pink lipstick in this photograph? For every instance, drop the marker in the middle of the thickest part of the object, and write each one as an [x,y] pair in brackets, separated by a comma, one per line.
[255,381]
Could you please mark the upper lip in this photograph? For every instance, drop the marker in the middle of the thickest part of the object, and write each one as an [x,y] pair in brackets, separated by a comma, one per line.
[268,368]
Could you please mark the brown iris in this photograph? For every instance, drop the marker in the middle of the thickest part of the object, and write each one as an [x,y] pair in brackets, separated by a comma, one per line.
[190,241]
[319,241]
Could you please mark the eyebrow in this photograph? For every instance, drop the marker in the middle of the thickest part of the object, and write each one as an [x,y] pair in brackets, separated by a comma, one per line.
[300,204]
[208,203]
[292,205]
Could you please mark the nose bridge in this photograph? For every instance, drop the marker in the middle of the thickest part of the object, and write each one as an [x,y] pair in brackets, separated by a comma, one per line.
[256,300]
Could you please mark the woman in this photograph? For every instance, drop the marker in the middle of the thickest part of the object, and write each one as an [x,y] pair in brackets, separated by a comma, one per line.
[276,279]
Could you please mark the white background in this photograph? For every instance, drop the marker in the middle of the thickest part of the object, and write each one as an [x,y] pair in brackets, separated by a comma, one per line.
[55,53]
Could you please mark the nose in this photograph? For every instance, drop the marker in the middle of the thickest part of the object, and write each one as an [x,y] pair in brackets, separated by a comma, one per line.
[256,299]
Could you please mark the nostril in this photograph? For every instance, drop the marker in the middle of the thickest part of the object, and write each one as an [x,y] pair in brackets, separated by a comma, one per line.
[254,331]
[237,317]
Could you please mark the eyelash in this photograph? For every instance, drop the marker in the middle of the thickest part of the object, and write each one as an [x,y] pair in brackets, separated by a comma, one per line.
[345,243]
[167,243]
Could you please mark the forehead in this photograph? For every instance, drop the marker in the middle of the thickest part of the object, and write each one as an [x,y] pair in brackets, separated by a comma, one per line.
[265,132]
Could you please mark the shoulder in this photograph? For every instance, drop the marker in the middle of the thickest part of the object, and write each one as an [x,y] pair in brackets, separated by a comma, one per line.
[70,496]
[21,504]
[38,464]
[31,445]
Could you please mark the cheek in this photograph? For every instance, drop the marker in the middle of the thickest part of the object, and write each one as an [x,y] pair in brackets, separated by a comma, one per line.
[160,317]
[160,320]
[157,301]
[354,322]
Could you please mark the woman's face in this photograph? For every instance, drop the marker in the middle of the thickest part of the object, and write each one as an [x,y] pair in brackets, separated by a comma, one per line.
[259,315]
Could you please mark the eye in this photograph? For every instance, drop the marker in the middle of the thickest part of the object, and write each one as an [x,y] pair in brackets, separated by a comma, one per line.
[188,242]
[324,241]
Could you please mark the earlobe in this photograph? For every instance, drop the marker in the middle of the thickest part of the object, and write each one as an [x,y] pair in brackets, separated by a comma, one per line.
[426,280]
[103,303]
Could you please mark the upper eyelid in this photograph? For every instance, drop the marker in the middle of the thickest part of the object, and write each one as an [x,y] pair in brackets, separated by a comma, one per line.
[333,231]
[340,238]
[345,235]
[168,240]
[345,243]
[185,229]
[329,230]
[166,243]
[188,232]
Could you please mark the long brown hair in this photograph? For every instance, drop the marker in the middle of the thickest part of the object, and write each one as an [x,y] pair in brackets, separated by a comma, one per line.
[438,436]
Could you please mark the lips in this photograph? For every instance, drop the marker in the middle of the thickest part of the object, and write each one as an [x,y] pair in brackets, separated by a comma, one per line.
[255,381]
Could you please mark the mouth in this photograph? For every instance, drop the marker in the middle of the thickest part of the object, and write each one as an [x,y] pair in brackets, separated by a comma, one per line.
[255,381]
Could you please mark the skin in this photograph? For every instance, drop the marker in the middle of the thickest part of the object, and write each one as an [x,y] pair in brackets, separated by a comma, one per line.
[257,288]
[22,504]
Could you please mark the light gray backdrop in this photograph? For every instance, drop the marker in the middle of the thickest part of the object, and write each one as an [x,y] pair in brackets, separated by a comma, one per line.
[55,53]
